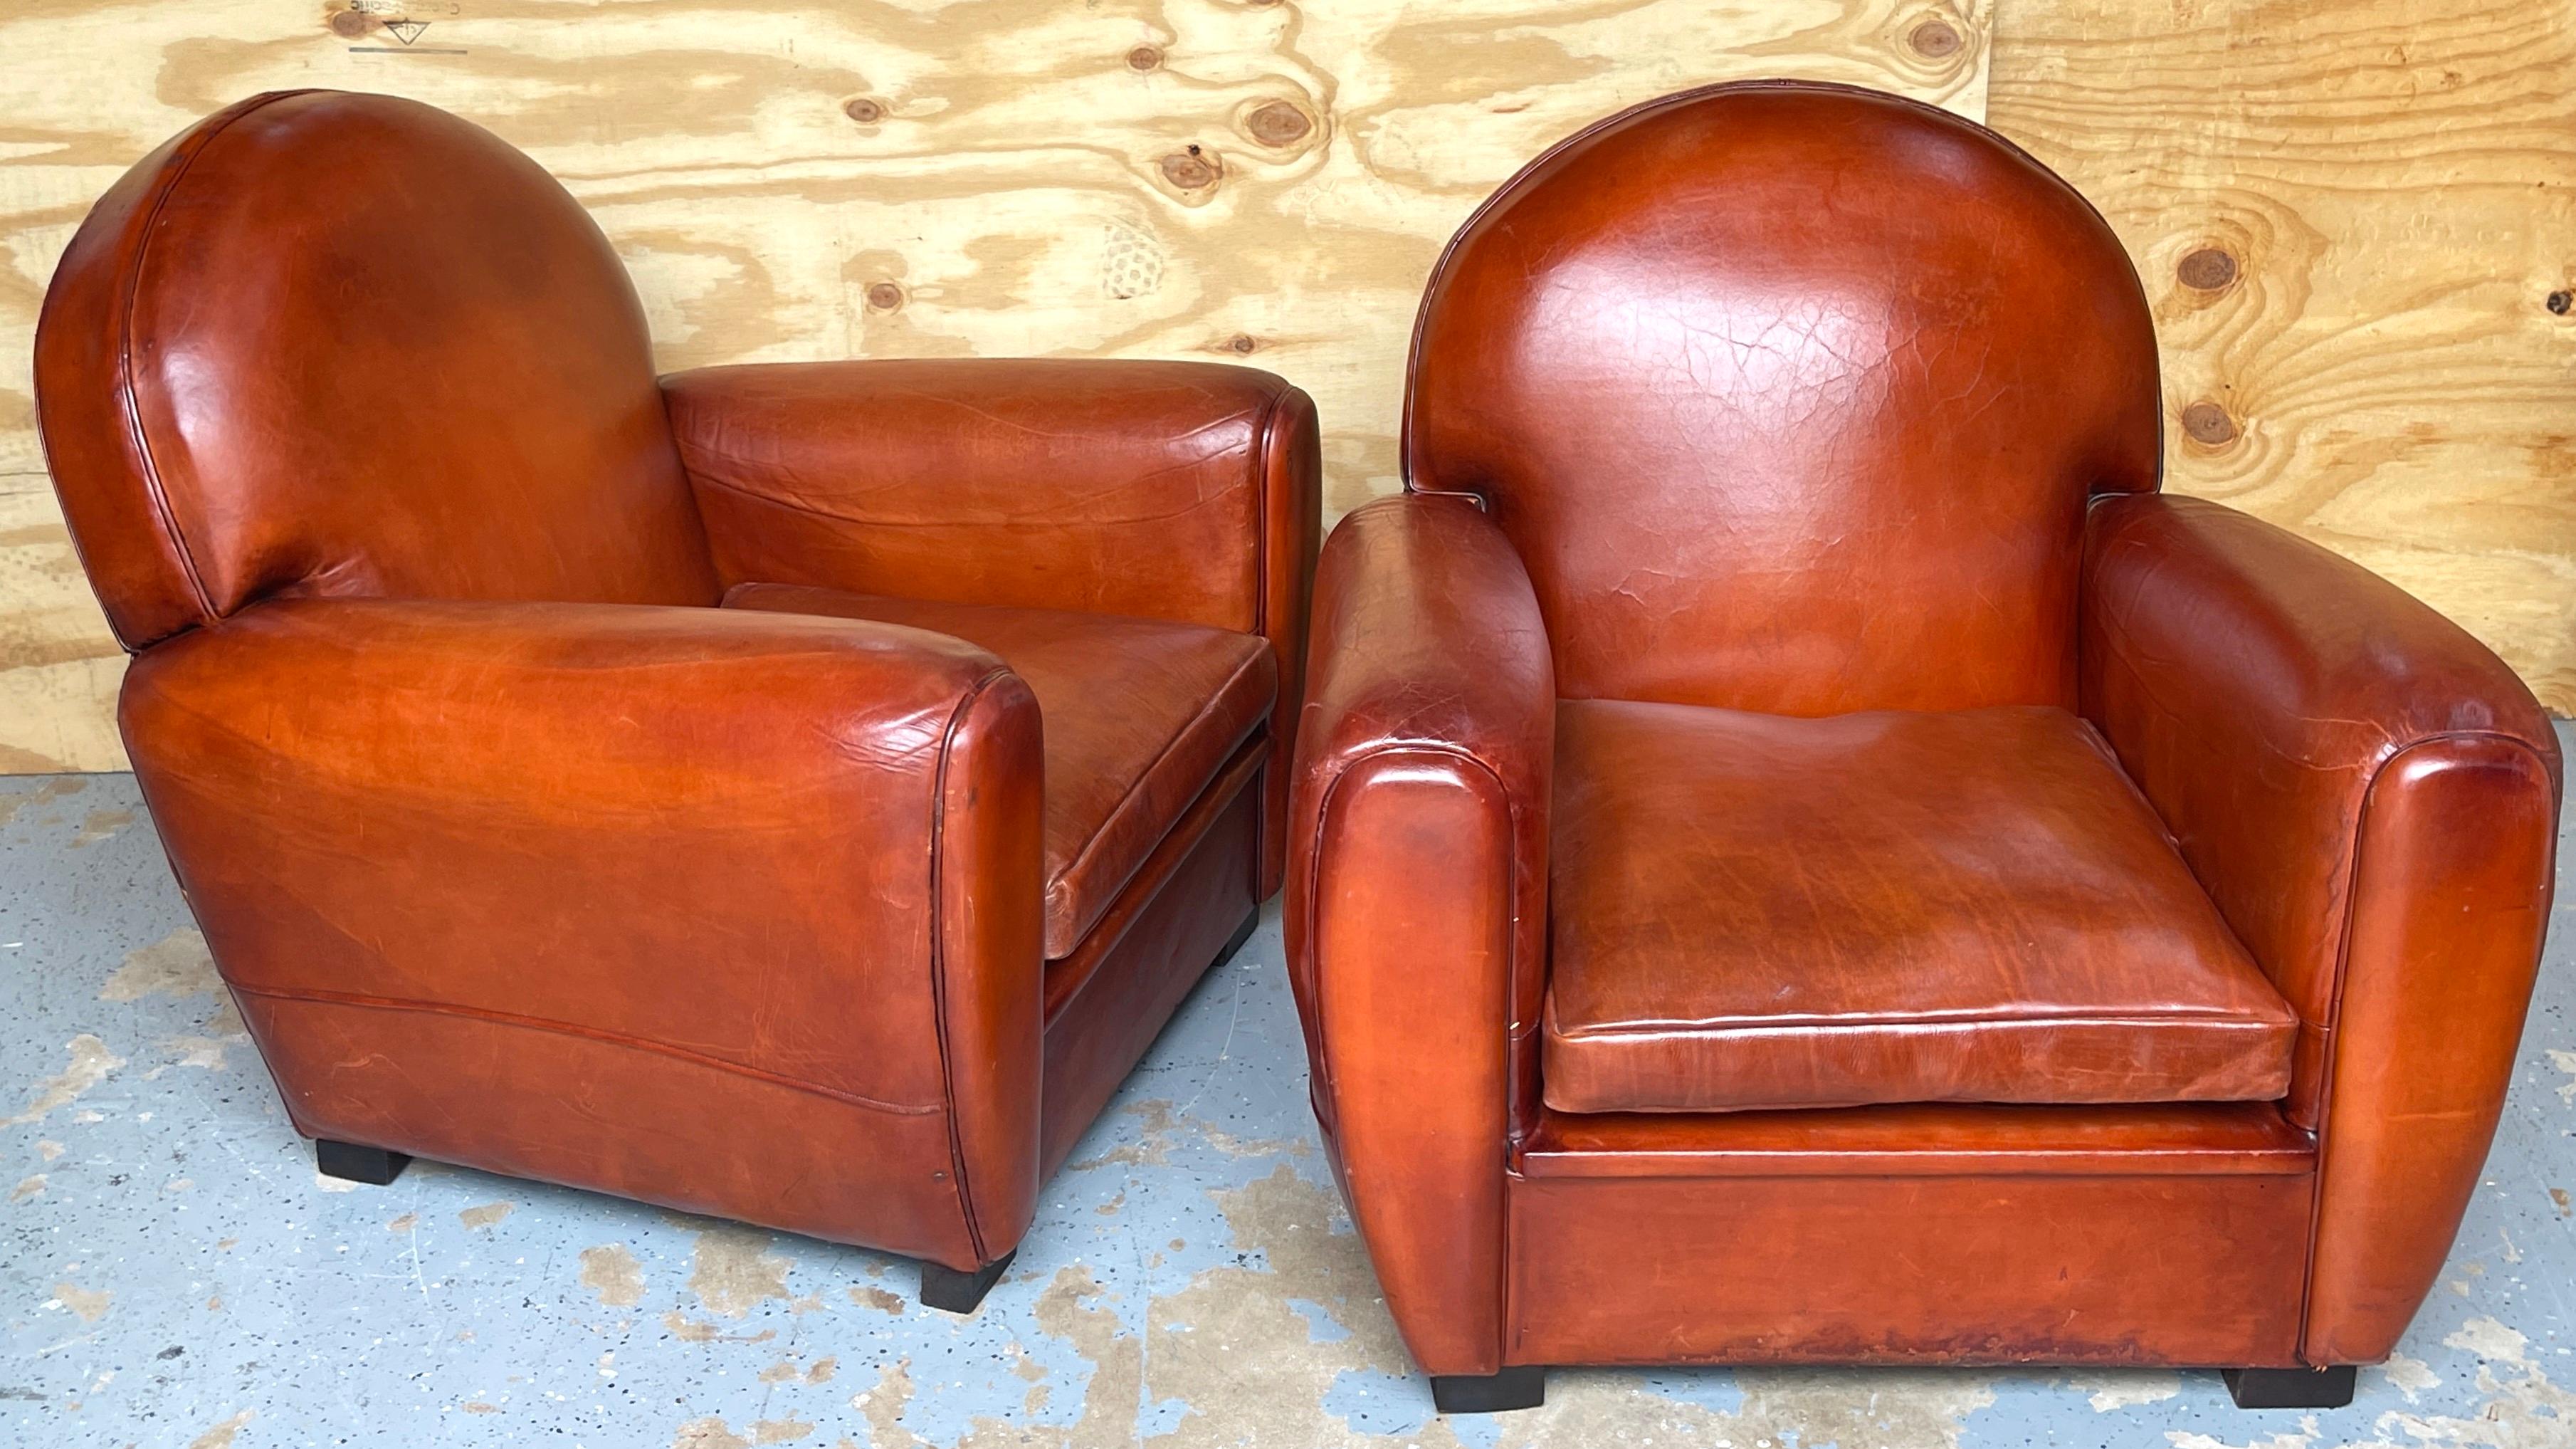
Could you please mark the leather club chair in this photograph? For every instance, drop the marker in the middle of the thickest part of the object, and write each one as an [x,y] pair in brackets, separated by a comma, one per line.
[797,793]
[1800,854]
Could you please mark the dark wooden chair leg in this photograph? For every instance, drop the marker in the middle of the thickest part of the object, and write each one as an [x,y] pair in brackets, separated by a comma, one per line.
[1513,1388]
[351,1163]
[950,1291]
[2291,1388]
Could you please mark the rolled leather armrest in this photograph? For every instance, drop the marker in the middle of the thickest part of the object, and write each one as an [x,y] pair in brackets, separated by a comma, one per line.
[800,850]
[1417,890]
[2371,798]
[1168,490]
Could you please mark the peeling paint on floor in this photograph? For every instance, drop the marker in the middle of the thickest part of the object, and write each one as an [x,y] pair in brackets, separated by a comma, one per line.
[175,1273]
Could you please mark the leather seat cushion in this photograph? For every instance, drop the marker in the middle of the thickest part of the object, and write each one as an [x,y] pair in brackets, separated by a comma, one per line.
[1140,715]
[1756,911]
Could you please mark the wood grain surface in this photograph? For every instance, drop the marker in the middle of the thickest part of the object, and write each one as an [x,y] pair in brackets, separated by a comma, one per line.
[2357,222]
[2354,219]
[1232,179]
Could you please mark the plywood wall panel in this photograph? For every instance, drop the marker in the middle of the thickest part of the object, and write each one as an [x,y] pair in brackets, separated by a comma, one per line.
[2383,188]
[2352,220]
[1227,179]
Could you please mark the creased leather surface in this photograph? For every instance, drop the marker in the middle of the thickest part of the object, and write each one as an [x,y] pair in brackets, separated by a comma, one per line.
[2371,797]
[1112,487]
[1804,402]
[277,359]
[1140,715]
[716,838]
[1790,397]
[2449,909]
[1416,915]
[1758,911]
[511,864]
[1185,491]
[2254,685]
[1863,1269]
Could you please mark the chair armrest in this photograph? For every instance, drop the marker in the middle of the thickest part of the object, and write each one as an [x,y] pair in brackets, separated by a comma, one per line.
[798,849]
[2371,798]
[1166,490]
[1417,898]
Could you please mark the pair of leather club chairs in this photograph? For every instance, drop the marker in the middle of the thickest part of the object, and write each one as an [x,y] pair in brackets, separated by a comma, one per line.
[1795,851]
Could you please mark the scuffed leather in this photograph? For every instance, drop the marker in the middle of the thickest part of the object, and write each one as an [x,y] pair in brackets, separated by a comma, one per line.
[1416,912]
[516,864]
[784,852]
[274,361]
[1141,714]
[2370,797]
[1790,397]
[1107,1001]
[1968,906]
[1909,1271]
[1186,491]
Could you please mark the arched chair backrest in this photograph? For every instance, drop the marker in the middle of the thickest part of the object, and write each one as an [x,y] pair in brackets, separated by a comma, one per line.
[338,344]
[1791,397]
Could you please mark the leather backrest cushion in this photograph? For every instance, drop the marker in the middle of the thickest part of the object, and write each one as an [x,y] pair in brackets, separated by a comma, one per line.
[1119,486]
[1791,397]
[337,344]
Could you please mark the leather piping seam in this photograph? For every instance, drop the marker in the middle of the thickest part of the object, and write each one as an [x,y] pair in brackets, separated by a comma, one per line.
[1778,1026]
[2330,1049]
[939,955]
[566,1028]
[1153,889]
[1512,817]
[1261,435]
[154,490]
[1523,177]
[1083,856]
[1283,709]
[1873,1165]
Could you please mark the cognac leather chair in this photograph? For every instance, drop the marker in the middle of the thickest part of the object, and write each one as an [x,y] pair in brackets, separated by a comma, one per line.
[1800,854]
[797,793]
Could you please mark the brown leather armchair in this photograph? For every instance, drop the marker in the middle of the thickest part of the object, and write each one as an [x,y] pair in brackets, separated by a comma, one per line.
[1800,854]
[797,793]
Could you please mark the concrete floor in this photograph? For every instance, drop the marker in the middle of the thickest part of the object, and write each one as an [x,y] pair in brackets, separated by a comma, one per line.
[173,1272]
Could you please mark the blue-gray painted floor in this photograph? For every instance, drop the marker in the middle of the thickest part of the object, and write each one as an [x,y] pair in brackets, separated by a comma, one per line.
[173,1272]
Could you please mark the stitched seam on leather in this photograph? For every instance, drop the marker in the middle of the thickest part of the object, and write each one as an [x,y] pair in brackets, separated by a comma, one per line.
[1261,513]
[1206,823]
[153,488]
[565,1028]
[1504,1325]
[2329,1048]
[939,956]
[1803,1027]
[1083,857]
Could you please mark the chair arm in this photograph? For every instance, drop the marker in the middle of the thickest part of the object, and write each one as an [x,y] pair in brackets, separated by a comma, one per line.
[1417,891]
[801,850]
[1167,490]
[2371,798]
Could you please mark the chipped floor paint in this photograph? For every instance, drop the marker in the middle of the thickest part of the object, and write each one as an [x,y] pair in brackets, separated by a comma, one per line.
[173,1272]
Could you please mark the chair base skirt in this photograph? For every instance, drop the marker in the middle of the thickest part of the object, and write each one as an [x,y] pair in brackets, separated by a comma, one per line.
[1513,1388]
[2291,1388]
[1977,1268]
